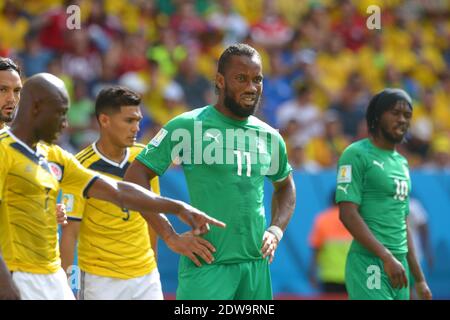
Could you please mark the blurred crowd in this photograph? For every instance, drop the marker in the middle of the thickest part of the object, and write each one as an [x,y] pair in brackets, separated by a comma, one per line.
[321,64]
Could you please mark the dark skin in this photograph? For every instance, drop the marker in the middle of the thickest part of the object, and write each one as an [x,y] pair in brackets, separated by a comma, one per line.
[243,84]
[42,115]
[392,127]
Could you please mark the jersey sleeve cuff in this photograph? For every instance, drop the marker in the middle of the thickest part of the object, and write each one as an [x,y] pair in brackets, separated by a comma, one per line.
[150,166]
[85,191]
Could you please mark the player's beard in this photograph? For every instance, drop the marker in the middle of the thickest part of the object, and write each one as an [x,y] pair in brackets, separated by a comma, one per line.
[6,118]
[391,138]
[238,110]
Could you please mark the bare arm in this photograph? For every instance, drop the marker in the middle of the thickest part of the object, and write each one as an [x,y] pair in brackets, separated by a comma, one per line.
[350,217]
[153,240]
[8,290]
[283,204]
[187,243]
[69,238]
[134,197]
[422,289]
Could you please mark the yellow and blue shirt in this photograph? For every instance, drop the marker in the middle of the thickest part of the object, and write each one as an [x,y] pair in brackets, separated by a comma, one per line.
[29,184]
[113,242]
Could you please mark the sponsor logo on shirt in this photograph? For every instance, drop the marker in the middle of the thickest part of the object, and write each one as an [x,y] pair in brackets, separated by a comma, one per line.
[343,188]
[379,164]
[344,174]
[156,141]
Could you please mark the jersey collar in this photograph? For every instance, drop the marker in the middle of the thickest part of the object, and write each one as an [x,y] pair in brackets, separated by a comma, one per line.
[113,163]
[23,144]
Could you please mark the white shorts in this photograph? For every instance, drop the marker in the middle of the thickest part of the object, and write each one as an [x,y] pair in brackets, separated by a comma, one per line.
[147,287]
[33,286]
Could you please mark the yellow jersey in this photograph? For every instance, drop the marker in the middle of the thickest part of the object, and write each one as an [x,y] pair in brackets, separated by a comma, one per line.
[29,184]
[113,241]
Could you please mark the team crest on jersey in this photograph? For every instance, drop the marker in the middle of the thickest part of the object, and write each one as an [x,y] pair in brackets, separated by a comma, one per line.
[344,174]
[67,200]
[56,170]
[156,141]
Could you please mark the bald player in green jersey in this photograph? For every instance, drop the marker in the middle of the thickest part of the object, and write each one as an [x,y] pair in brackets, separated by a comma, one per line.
[373,187]
[226,153]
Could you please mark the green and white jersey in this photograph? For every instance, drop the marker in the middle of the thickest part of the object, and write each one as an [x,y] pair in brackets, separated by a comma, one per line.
[378,181]
[224,162]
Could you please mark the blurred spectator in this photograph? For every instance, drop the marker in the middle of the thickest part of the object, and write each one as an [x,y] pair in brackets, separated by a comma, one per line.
[442,102]
[155,82]
[167,52]
[295,58]
[150,43]
[53,26]
[297,157]
[82,61]
[34,58]
[197,89]
[186,23]
[439,159]
[277,88]
[101,26]
[82,127]
[350,111]
[13,27]
[326,148]
[330,242]
[422,128]
[271,31]
[132,56]
[351,25]
[55,67]
[303,111]
[229,22]
[107,77]
[173,104]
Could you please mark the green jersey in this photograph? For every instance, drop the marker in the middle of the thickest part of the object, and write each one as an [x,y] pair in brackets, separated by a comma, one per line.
[378,181]
[224,162]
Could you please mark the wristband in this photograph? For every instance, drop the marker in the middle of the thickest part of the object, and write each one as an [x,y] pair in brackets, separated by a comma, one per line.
[276,231]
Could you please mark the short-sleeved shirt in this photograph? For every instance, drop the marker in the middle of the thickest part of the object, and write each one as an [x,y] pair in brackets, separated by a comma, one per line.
[29,184]
[378,181]
[113,241]
[225,162]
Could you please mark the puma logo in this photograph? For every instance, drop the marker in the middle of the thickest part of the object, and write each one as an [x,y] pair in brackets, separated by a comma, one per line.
[209,135]
[380,164]
[343,188]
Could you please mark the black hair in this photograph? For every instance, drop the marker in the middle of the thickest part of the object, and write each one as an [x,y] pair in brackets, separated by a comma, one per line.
[109,100]
[382,102]
[240,49]
[8,64]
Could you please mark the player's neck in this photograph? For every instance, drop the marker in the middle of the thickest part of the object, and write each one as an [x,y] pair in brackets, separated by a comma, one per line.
[2,125]
[25,135]
[382,143]
[110,150]
[220,107]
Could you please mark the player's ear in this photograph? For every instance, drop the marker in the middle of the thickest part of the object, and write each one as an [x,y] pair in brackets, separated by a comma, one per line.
[220,81]
[103,120]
